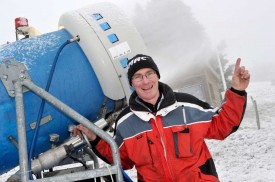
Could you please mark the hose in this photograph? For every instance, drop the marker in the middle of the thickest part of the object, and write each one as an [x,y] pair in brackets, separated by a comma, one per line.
[41,109]
[125,176]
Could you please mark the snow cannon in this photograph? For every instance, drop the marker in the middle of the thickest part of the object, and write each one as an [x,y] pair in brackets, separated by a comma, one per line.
[79,73]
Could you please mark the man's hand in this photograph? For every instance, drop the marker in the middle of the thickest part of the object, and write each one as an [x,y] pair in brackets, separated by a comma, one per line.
[241,77]
[80,128]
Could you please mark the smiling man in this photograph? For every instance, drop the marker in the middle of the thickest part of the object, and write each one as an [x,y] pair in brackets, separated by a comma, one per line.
[143,75]
[162,132]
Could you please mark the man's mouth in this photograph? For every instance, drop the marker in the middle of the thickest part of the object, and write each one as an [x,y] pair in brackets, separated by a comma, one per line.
[146,89]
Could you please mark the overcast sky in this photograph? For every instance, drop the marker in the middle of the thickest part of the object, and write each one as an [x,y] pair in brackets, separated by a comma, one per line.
[247,26]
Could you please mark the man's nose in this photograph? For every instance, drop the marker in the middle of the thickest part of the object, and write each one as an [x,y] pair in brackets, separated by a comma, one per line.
[145,79]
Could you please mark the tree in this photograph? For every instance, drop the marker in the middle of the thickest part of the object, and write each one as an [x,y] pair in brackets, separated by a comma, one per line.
[179,44]
[171,34]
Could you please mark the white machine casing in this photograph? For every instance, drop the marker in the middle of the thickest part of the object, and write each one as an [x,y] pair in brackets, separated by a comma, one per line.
[108,59]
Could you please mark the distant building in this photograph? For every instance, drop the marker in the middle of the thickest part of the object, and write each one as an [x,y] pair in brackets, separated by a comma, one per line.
[203,83]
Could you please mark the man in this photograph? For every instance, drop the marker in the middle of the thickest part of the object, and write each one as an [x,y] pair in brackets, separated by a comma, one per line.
[162,133]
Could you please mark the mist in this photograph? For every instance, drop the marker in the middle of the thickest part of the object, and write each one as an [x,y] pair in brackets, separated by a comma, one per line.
[247,28]
[176,31]
[179,42]
[175,39]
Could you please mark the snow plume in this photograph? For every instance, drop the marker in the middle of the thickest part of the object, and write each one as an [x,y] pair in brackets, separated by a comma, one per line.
[176,41]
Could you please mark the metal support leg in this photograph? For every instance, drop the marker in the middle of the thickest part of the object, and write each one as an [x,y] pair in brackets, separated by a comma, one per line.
[257,113]
[79,118]
[21,130]
[93,157]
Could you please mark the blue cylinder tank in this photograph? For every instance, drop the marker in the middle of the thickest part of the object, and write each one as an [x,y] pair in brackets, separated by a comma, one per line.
[86,73]
[74,83]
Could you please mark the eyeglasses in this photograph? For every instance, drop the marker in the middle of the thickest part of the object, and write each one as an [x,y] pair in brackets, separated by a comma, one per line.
[139,77]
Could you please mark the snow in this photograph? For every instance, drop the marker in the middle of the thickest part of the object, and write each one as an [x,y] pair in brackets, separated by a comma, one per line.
[249,153]
[30,49]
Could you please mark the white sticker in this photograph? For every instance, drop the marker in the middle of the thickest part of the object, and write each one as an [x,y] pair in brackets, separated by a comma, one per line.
[119,50]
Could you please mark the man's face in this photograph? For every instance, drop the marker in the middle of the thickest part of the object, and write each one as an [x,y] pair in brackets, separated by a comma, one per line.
[145,82]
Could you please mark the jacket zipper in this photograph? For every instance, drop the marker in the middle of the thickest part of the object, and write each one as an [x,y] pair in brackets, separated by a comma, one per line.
[164,148]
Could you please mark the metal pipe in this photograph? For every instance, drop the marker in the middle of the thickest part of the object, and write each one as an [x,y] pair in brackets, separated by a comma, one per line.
[12,139]
[88,174]
[91,153]
[21,130]
[53,156]
[93,156]
[101,123]
[79,118]
[257,113]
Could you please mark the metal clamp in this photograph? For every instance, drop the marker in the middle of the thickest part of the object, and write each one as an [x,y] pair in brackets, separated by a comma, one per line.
[11,71]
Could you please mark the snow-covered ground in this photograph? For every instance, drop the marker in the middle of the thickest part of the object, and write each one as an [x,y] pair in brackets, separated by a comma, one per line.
[248,154]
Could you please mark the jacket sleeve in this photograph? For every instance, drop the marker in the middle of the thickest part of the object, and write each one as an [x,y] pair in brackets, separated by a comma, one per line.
[103,150]
[229,116]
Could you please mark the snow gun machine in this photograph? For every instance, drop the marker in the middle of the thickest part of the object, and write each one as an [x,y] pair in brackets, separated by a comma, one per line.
[54,81]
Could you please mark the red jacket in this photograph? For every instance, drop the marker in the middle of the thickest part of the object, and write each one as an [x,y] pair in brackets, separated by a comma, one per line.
[169,145]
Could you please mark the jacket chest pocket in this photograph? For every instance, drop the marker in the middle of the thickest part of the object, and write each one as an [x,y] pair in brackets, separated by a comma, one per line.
[182,141]
[140,151]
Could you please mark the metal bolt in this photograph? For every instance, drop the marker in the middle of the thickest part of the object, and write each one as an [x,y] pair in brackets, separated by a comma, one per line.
[5,77]
[71,129]
[54,138]
[22,76]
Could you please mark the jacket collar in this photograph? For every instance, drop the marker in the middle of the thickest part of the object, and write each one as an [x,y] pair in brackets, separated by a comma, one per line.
[167,103]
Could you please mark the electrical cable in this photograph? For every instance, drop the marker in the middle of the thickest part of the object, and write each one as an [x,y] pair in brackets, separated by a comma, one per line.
[110,173]
[41,109]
